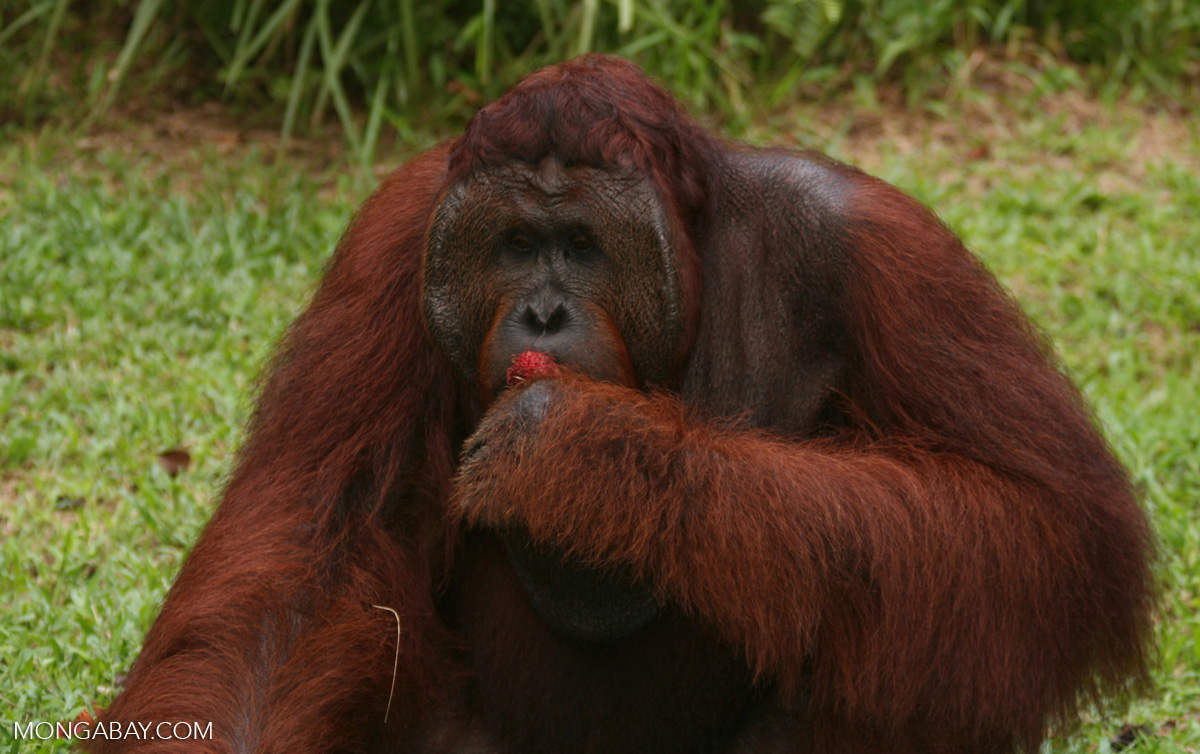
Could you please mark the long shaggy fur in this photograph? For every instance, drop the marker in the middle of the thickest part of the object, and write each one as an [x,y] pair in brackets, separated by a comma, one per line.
[939,554]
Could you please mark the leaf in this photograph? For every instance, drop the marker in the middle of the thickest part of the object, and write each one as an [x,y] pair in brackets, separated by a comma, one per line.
[174,461]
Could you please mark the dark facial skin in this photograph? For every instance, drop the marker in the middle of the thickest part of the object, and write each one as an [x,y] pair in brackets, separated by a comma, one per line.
[572,261]
[575,262]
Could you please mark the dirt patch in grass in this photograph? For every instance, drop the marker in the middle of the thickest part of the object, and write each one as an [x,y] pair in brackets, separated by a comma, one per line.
[9,491]
[984,115]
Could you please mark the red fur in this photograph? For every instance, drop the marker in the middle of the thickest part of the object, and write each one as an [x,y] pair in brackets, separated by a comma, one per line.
[291,538]
[951,566]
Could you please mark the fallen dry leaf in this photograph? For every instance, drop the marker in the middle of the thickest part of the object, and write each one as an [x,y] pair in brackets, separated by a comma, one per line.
[174,461]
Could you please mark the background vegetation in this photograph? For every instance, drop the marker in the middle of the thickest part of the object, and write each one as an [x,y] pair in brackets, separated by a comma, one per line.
[419,64]
[154,245]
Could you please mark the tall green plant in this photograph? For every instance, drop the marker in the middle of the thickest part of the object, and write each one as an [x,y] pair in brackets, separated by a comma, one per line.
[402,64]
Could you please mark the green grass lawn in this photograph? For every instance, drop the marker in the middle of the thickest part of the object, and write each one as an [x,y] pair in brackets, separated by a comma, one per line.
[139,299]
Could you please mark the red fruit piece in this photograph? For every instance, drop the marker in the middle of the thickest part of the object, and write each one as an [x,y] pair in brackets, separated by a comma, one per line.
[529,365]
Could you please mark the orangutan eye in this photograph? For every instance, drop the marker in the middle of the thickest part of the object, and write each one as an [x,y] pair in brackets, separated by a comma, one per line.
[520,241]
[580,242]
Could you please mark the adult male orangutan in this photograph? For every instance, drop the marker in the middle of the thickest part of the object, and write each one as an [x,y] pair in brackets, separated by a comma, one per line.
[781,468]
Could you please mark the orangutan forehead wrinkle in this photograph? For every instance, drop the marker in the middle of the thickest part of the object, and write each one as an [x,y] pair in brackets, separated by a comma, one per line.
[551,178]
[555,182]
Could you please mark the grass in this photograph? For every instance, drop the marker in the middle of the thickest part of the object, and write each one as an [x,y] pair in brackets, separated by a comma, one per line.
[139,299]
[386,69]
